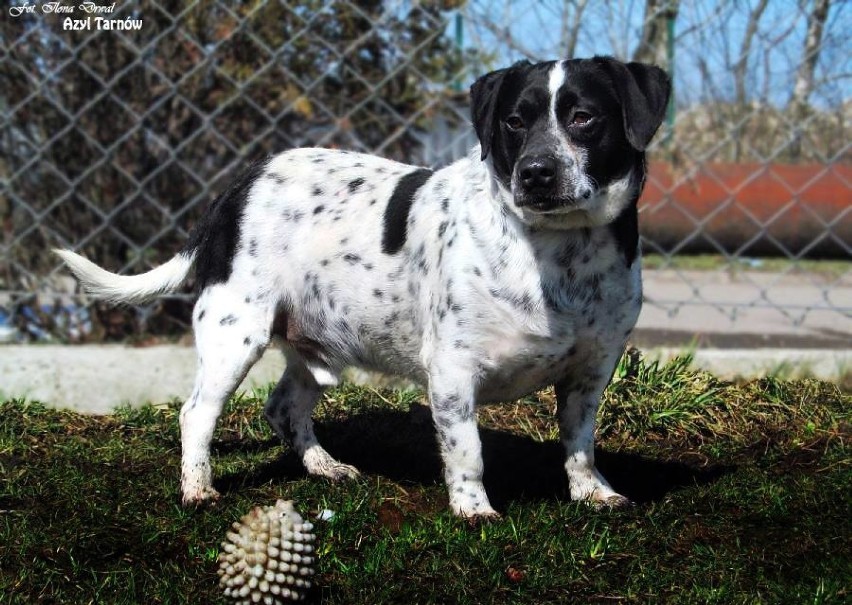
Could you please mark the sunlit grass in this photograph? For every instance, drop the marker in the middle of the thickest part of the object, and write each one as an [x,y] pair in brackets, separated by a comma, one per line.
[742,495]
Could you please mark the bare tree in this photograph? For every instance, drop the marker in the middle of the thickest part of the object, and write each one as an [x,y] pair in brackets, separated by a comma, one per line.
[655,40]
[804,84]
[571,27]
[741,66]
[656,43]
[484,16]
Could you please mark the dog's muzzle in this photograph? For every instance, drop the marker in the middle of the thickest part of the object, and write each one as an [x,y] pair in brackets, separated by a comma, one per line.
[538,180]
[540,186]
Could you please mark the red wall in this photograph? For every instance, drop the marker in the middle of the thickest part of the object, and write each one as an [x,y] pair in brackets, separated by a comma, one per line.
[681,211]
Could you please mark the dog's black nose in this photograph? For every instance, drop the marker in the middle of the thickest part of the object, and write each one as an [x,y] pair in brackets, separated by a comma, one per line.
[537,172]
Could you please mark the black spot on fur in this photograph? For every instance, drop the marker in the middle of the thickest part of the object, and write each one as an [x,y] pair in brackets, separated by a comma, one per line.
[317,191]
[521,301]
[625,228]
[626,231]
[355,184]
[399,205]
[228,320]
[292,215]
[351,258]
[214,239]
[319,209]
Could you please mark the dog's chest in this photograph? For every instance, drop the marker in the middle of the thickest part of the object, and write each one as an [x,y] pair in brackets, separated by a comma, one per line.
[551,307]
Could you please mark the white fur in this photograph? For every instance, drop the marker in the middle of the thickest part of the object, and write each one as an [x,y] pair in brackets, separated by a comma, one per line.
[555,80]
[127,288]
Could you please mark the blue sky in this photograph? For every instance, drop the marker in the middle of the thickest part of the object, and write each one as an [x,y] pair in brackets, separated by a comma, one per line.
[708,36]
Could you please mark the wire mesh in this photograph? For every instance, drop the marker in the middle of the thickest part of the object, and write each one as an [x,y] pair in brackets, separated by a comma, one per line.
[114,137]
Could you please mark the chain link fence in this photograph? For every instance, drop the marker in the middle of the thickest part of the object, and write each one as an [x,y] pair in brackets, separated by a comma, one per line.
[120,122]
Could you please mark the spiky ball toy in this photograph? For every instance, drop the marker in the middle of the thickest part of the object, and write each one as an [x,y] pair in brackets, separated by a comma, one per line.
[268,557]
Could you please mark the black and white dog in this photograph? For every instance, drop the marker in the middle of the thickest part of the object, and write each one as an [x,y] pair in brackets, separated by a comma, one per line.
[511,269]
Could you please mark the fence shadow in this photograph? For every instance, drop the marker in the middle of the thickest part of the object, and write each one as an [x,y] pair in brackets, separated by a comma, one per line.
[402,448]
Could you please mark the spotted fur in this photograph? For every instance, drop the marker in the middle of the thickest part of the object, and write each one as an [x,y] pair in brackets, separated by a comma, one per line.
[512,269]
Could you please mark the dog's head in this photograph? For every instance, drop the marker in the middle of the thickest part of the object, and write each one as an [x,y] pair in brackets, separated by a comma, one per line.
[567,138]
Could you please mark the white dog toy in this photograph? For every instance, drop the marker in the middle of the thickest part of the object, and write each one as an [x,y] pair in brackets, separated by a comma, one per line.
[268,557]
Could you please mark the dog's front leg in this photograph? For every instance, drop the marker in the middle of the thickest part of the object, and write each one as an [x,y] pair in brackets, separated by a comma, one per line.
[577,400]
[452,399]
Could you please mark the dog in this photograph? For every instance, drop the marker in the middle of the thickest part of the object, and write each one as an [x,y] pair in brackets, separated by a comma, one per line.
[512,269]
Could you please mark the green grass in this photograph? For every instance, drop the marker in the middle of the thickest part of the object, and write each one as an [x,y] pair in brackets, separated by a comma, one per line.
[742,492]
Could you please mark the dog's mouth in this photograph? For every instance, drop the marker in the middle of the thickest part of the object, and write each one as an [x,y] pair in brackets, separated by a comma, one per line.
[545,205]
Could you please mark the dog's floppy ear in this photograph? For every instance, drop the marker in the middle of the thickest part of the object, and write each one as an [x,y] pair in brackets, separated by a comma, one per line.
[483,104]
[644,94]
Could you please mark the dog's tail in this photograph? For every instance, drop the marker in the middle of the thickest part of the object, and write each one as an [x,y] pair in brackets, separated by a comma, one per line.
[115,288]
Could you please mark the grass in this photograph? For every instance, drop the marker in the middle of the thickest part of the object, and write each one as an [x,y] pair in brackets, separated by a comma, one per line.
[831,269]
[742,492]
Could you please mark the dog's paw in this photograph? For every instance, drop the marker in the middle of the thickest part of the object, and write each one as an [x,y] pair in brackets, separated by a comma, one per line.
[474,511]
[203,496]
[320,463]
[340,472]
[587,485]
[483,518]
[609,502]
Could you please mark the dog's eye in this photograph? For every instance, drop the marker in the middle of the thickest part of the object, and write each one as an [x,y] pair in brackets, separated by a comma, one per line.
[514,123]
[581,118]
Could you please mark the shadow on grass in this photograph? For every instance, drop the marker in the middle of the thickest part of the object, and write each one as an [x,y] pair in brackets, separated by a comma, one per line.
[402,447]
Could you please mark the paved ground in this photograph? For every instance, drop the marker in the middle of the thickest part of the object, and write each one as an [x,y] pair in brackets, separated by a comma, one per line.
[686,307]
[97,378]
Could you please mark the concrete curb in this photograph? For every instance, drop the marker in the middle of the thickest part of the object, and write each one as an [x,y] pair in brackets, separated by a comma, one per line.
[98,378]
[826,364]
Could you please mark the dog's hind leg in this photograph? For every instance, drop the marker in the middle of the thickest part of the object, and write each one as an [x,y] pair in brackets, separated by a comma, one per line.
[289,409]
[230,336]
